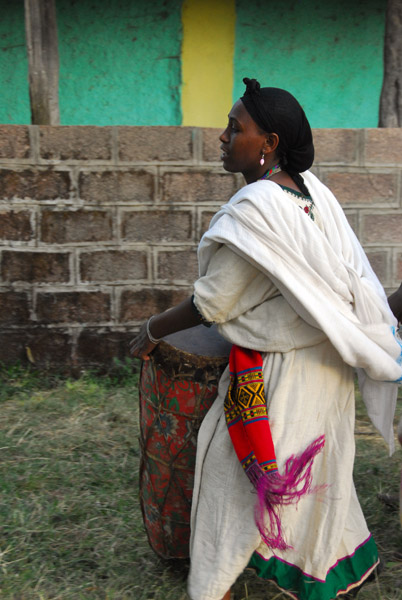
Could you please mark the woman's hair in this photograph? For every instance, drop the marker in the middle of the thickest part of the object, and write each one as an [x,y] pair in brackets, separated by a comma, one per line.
[277,111]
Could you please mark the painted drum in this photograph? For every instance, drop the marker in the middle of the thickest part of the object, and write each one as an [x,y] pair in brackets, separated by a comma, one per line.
[177,387]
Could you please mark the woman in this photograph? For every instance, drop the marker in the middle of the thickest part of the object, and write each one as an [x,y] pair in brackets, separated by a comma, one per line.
[286,281]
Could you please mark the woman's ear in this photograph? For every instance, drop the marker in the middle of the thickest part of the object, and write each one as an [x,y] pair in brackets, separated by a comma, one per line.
[271,143]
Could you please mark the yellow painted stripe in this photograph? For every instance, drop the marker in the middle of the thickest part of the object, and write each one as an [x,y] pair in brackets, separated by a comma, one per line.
[207,61]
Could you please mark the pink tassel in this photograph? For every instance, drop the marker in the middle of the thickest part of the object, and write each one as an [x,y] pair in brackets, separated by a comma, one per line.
[282,489]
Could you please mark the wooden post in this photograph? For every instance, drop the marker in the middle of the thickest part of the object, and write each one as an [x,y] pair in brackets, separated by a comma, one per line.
[43,61]
[391,93]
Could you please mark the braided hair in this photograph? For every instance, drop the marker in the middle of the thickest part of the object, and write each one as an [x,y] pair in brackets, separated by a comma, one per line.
[277,111]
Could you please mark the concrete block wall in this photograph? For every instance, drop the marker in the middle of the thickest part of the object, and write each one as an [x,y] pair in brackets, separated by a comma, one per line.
[99,226]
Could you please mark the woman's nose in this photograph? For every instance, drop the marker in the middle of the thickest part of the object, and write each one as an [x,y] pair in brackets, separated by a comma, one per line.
[224,135]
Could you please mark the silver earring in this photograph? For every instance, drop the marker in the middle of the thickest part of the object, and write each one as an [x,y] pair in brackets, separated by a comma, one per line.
[262,161]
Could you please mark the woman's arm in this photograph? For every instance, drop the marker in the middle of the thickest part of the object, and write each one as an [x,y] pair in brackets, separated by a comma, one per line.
[231,287]
[395,303]
[182,316]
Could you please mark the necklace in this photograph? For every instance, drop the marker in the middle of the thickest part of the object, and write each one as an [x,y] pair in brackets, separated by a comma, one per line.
[268,174]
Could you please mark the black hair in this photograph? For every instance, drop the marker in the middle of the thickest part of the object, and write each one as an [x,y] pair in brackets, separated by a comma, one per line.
[276,111]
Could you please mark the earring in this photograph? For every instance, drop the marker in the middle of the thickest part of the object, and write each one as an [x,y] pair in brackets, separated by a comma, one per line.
[262,161]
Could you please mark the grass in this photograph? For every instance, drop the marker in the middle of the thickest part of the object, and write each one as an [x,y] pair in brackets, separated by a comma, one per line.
[70,520]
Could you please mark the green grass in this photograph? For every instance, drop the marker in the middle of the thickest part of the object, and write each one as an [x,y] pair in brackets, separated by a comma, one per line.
[70,520]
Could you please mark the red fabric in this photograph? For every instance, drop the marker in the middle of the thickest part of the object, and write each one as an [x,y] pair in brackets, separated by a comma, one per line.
[246,410]
[248,424]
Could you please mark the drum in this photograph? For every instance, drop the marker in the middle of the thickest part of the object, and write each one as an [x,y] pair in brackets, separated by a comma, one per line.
[178,384]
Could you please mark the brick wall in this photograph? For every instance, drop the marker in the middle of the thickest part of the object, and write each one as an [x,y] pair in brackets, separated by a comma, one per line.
[99,226]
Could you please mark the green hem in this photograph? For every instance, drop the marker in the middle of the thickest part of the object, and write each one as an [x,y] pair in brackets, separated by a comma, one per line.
[346,574]
[295,192]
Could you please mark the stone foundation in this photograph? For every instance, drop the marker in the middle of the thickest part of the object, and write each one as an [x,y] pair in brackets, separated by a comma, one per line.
[99,227]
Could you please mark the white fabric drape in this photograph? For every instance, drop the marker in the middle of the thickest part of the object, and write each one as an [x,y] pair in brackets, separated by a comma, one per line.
[323,275]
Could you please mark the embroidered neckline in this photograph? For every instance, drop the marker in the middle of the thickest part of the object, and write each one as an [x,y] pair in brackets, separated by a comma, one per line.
[305,203]
[295,192]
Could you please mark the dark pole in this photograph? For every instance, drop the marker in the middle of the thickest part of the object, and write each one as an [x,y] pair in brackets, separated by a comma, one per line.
[391,93]
[43,61]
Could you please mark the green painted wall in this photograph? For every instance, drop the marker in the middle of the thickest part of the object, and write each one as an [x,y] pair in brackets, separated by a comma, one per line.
[14,94]
[327,53]
[120,59]
[119,62]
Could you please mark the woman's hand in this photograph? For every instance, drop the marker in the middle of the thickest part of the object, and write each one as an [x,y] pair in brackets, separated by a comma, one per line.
[158,326]
[141,346]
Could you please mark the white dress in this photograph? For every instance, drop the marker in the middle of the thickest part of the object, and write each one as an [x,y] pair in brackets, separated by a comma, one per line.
[309,390]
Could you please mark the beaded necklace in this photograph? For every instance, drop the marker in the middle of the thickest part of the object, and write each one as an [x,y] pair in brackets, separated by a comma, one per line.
[271,172]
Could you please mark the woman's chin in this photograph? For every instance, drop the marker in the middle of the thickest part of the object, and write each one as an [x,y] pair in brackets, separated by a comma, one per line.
[226,166]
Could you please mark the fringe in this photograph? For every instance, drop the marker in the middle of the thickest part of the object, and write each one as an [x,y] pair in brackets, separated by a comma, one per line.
[281,489]
[254,473]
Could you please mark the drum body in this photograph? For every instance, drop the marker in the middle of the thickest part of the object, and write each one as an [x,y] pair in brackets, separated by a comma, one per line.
[177,387]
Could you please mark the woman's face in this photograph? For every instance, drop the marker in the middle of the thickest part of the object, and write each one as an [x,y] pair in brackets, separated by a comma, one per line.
[243,143]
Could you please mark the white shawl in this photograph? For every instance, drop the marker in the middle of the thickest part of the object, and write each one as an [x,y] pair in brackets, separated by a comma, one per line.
[324,275]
